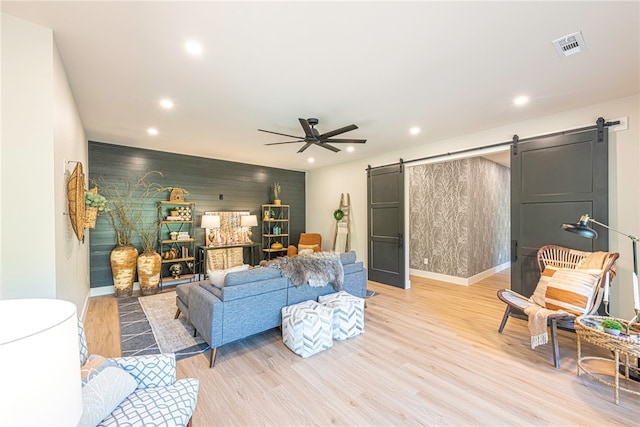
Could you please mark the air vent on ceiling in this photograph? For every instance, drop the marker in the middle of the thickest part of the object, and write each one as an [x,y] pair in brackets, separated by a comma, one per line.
[570,44]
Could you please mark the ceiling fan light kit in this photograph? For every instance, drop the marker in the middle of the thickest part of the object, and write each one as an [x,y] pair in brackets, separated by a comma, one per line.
[313,137]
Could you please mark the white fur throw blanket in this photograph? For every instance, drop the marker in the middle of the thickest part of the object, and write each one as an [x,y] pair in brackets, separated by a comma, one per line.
[318,269]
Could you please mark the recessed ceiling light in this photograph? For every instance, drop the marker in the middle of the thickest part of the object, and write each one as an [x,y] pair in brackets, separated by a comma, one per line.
[521,100]
[166,103]
[414,130]
[350,149]
[152,131]
[311,160]
[193,47]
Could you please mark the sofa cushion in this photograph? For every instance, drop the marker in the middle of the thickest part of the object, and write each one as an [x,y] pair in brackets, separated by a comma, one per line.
[93,366]
[171,405]
[348,257]
[216,277]
[103,393]
[253,275]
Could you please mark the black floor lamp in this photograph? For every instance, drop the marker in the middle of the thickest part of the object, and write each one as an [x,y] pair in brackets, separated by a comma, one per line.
[582,228]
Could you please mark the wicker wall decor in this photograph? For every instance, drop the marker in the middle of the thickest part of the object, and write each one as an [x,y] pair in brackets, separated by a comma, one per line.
[75,196]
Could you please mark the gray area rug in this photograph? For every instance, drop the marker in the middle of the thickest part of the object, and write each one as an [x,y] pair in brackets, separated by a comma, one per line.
[147,326]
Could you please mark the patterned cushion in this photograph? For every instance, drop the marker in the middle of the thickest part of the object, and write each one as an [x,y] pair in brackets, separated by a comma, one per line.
[103,393]
[307,327]
[304,249]
[541,287]
[82,342]
[572,290]
[150,371]
[93,366]
[567,289]
[215,259]
[168,406]
[348,314]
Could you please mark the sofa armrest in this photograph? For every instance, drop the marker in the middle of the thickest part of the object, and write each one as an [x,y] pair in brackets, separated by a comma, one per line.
[292,250]
[206,312]
[155,370]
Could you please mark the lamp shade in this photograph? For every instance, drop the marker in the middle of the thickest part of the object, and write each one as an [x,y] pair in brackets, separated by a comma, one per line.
[581,228]
[39,363]
[248,221]
[210,221]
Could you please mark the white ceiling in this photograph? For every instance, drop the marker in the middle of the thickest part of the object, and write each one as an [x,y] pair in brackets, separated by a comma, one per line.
[450,68]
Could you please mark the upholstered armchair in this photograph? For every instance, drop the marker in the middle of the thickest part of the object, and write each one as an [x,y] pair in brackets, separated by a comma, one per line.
[139,390]
[309,242]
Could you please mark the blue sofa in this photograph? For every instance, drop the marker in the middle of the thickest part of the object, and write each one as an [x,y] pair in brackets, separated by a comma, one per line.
[250,301]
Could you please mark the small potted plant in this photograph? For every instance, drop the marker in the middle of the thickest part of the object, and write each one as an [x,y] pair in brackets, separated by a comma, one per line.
[94,205]
[276,194]
[611,326]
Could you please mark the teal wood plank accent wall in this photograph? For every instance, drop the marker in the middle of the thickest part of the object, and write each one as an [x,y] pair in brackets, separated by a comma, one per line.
[214,185]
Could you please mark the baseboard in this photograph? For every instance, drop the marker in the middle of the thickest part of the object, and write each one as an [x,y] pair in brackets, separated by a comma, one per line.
[459,280]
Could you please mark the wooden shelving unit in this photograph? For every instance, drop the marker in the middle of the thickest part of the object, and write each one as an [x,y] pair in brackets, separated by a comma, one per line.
[184,249]
[275,229]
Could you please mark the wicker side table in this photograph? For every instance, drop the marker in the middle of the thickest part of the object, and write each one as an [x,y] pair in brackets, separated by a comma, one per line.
[620,346]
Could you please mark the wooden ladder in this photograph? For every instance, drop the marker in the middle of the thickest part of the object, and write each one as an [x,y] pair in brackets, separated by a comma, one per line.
[342,233]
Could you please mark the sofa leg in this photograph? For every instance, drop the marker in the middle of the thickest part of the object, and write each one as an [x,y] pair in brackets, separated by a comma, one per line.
[214,353]
[190,422]
[177,314]
[195,332]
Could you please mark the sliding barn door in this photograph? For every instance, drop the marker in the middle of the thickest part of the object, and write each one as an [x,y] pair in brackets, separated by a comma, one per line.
[555,180]
[385,200]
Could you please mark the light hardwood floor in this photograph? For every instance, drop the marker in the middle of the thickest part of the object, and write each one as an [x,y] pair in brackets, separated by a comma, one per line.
[430,355]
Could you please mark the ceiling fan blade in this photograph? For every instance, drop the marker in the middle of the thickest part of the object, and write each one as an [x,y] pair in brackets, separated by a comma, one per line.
[337,132]
[281,134]
[328,147]
[287,142]
[305,146]
[306,127]
[346,141]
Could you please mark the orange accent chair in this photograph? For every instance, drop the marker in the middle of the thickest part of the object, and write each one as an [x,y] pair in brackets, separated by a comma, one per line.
[307,241]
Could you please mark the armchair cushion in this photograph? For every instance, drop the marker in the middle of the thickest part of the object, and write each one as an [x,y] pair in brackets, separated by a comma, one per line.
[176,405]
[103,393]
[93,366]
[155,370]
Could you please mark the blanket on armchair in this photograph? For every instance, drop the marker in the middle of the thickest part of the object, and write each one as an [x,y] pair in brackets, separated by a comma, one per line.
[318,269]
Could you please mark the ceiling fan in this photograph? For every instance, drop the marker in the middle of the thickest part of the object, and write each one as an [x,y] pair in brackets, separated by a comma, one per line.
[312,136]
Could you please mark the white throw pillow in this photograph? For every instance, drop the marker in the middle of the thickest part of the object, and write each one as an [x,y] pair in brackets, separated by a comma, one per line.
[216,277]
[103,393]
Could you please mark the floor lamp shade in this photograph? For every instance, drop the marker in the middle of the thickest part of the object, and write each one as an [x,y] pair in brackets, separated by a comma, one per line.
[39,363]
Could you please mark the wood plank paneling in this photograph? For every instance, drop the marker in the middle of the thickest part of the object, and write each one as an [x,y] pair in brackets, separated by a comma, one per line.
[242,186]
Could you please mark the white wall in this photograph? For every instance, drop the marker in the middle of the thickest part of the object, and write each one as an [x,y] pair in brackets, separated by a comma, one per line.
[70,144]
[40,127]
[325,184]
[28,231]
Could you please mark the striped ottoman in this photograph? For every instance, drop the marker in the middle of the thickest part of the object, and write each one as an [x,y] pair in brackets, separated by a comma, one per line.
[348,314]
[307,327]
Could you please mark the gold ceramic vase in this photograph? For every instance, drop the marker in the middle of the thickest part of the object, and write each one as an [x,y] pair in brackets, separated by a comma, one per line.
[123,267]
[149,263]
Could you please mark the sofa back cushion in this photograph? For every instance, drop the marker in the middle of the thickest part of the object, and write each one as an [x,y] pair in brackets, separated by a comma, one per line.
[254,275]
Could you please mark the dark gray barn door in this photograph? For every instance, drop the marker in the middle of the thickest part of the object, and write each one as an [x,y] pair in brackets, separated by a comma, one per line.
[554,180]
[385,201]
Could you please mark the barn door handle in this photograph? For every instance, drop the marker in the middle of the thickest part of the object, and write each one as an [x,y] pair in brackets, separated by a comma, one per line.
[514,250]
[400,240]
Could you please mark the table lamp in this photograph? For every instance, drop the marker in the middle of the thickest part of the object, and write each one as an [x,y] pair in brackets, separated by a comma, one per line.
[211,222]
[248,221]
[39,363]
